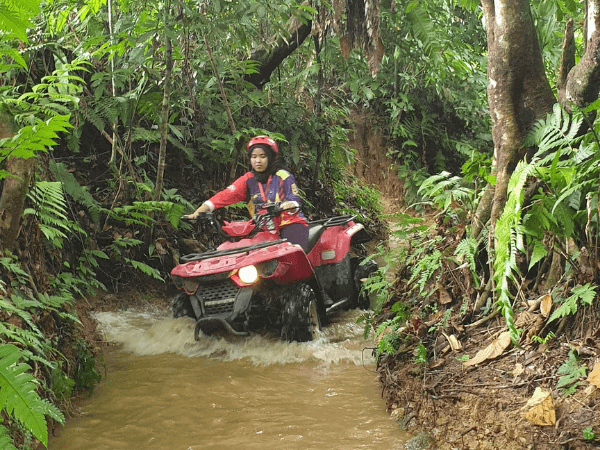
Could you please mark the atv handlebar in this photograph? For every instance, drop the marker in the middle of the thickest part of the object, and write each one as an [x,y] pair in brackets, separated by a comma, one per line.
[206,221]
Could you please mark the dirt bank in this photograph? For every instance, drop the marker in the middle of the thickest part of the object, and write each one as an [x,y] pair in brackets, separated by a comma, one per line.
[482,405]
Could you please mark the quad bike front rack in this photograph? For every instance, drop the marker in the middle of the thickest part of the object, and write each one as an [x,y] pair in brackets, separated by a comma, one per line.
[232,251]
[209,325]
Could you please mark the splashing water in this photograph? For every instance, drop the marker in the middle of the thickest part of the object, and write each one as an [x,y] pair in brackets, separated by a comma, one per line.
[150,333]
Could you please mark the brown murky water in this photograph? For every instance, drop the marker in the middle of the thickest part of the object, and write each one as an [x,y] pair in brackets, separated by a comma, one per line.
[163,390]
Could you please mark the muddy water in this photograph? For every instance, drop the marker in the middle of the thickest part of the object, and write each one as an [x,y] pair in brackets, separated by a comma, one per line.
[163,390]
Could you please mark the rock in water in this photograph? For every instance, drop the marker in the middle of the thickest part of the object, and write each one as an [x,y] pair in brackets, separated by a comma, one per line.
[422,441]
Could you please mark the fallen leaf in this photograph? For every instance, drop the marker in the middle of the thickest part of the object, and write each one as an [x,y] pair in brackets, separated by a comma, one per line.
[525,318]
[159,248]
[541,406]
[532,305]
[518,370]
[453,341]
[546,305]
[594,376]
[443,296]
[495,349]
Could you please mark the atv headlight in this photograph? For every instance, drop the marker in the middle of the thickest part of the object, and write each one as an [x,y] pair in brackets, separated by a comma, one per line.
[248,274]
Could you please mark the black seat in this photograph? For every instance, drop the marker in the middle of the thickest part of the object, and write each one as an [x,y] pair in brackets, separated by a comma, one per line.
[315,230]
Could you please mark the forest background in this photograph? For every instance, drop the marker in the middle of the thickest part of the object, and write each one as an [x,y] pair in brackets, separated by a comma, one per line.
[117,117]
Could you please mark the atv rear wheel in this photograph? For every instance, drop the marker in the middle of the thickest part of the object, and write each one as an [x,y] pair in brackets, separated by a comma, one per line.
[300,319]
[361,272]
[182,307]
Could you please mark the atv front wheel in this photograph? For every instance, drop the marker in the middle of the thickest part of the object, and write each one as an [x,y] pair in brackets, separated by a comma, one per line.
[300,319]
[182,307]
[362,272]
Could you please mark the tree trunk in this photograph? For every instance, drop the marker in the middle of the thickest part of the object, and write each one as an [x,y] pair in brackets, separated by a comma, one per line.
[164,122]
[583,82]
[270,60]
[14,190]
[567,62]
[518,90]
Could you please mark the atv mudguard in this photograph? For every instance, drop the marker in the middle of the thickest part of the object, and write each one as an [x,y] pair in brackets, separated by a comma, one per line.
[293,265]
[334,243]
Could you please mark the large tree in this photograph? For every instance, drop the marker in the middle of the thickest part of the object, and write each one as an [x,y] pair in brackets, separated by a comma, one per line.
[519,92]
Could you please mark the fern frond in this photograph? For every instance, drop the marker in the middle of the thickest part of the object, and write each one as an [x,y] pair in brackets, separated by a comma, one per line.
[34,138]
[468,248]
[585,294]
[75,190]
[145,269]
[22,314]
[18,394]
[423,29]
[508,240]
[105,108]
[557,130]
[21,336]
[6,442]
[51,210]
[144,135]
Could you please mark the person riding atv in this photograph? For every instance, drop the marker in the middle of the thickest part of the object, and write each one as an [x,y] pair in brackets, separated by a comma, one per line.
[275,272]
[265,183]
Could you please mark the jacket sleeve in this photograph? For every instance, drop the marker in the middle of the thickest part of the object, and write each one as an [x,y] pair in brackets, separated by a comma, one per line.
[234,193]
[289,190]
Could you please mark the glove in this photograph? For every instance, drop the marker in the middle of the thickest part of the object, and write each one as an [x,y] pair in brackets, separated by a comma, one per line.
[290,207]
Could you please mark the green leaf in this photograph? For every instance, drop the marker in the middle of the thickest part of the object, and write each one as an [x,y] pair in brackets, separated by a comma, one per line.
[585,294]
[571,371]
[18,394]
[588,434]
[539,252]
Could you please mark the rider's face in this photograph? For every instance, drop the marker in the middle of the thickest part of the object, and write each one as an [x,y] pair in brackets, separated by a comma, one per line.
[259,160]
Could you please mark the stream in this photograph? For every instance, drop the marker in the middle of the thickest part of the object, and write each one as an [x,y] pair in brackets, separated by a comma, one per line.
[161,389]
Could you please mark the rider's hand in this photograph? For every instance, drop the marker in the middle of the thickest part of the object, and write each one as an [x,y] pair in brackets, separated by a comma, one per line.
[290,207]
[193,215]
[203,208]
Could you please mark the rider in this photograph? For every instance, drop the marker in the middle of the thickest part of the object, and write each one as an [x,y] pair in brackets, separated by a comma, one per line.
[265,183]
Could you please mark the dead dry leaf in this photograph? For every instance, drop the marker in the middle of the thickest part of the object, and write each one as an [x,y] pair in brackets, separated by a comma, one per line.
[541,408]
[443,296]
[453,341]
[495,349]
[159,248]
[518,370]
[525,318]
[594,376]
[546,305]
[532,305]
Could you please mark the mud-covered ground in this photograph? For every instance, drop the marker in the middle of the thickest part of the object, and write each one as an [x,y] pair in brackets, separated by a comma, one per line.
[466,404]
[484,406]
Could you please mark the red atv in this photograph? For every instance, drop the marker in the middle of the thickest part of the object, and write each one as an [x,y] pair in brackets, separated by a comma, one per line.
[256,281]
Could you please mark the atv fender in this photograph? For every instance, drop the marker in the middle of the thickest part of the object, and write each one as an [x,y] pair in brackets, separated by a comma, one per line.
[335,242]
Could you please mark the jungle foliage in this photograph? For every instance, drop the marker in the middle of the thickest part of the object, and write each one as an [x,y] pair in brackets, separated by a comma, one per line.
[109,97]
[537,268]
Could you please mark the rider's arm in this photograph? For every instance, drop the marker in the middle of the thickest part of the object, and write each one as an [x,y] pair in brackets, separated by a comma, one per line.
[234,193]
[291,200]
